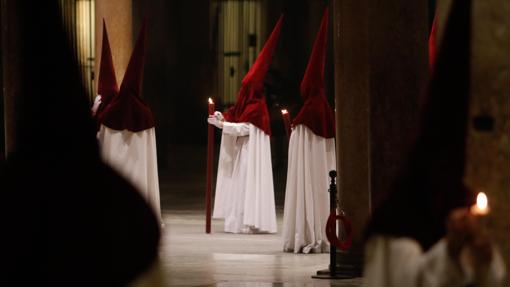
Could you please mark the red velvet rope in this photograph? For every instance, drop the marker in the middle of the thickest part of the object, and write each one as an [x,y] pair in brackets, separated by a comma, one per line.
[331,231]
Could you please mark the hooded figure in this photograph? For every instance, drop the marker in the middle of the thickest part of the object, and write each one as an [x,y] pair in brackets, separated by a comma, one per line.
[67,218]
[422,233]
[244,186]
[311,157]
[126,134]
[107,87]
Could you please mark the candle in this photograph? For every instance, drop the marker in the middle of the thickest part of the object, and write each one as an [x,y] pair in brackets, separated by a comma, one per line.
[286,122]
[210,150]
[482,205]
[211,106]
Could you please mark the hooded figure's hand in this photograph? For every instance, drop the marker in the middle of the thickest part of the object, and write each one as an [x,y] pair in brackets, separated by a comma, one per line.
[219,116]
[468,241]
[95,106]
[212,120]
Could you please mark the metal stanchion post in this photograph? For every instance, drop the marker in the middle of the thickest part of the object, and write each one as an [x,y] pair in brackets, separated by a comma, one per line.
[336,270]
[332,208]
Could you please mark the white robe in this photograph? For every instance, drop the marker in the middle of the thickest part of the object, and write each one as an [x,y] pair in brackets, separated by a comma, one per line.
[244,186]
[400,262]
[133,155]
[306,212]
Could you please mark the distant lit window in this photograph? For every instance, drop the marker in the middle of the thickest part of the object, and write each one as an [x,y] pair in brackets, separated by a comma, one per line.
[239,29]
[79,19]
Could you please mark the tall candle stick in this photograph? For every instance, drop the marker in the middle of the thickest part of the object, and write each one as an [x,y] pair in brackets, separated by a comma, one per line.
[286,122]
[210,150]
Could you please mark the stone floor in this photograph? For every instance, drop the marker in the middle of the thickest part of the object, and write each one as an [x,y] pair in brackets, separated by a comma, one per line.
[189,257]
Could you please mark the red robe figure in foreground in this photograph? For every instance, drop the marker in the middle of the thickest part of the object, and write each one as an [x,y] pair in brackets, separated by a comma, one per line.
[244,186]
[126,134]
[424,234]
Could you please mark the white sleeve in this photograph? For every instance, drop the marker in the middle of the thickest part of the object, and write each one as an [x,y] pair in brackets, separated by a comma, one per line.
[236,129]
[400,262]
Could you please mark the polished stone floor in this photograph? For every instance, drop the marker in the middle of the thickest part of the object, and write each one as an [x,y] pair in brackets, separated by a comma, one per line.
[189,257]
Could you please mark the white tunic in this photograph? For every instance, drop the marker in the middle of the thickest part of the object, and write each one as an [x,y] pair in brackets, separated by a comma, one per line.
[306,212]
[133,155]
[244,186]
[400,262]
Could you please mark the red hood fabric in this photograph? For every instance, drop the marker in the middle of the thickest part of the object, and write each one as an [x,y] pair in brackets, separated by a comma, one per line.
[316,113]
[107,83]
[251,104]
[128,111]
[432,45]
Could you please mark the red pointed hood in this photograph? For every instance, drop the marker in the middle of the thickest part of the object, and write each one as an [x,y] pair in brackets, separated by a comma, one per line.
[107,83]
[128,111]
[433,44]
[316,113]
[251,105]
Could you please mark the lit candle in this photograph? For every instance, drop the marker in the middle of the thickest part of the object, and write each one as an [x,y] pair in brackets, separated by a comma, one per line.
[482,205]
[211,106]
[286,122]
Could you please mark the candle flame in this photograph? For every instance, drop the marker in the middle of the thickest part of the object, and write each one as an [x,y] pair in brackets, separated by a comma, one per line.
[211,101]
[284,112]
[481,201]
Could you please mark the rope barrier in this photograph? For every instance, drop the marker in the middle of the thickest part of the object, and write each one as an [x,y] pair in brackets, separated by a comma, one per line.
[333,239]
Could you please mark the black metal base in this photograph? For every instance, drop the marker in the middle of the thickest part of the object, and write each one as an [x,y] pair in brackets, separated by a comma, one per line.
[349,265]
[326,274]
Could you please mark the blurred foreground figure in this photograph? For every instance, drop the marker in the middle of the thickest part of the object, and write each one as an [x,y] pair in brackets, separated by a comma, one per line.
[244,186]
[127,136]
[311,157]
[424,234]
[67,219]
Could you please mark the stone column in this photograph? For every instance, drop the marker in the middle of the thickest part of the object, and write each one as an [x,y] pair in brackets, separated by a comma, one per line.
[118,15]
[352,105]
[11,73]
[380,70]
[488,152]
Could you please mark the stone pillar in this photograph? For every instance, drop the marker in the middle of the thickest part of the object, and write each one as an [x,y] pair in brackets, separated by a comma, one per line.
[488,152]
[380,70]
[398,77]
[11,73]
[118,15]
[352,105]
